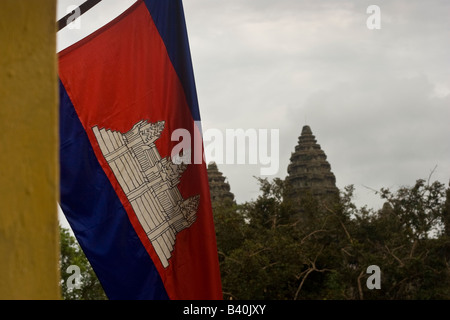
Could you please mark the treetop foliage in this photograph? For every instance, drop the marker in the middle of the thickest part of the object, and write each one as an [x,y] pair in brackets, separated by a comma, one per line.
[268,250]
[272,248]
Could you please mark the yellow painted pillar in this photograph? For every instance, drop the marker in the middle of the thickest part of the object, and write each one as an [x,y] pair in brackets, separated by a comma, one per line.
[29,236]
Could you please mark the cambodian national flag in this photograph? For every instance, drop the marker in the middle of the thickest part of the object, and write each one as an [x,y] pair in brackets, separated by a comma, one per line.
[142,217]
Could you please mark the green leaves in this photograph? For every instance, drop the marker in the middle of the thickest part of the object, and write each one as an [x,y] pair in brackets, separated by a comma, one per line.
[268,250]
[279,253]
[71,254]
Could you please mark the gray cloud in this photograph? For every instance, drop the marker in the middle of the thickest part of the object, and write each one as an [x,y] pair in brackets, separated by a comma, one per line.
[377,100]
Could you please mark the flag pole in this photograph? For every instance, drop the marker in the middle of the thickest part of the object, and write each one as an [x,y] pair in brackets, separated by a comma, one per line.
[85,6]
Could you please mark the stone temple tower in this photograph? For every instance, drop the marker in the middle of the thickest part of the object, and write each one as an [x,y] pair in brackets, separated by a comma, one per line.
[309,172]
[218,187]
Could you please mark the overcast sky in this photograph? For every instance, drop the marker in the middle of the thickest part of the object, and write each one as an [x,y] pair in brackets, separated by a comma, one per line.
[378,101]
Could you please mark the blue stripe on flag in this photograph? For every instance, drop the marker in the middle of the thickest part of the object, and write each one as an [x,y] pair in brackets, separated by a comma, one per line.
[168,16]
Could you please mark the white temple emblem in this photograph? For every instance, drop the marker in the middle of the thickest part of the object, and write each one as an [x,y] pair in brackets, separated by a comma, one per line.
[150,183]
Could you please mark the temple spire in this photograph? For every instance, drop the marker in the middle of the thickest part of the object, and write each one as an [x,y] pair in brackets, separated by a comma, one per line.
[219,188]
[309,171]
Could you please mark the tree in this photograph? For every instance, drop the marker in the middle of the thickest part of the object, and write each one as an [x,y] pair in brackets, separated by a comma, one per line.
[72,255]
[324,254]
[267,250]
[279,252]
[407,239]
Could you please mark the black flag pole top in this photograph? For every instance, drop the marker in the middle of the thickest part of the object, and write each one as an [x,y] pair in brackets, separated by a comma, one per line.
[85,6]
